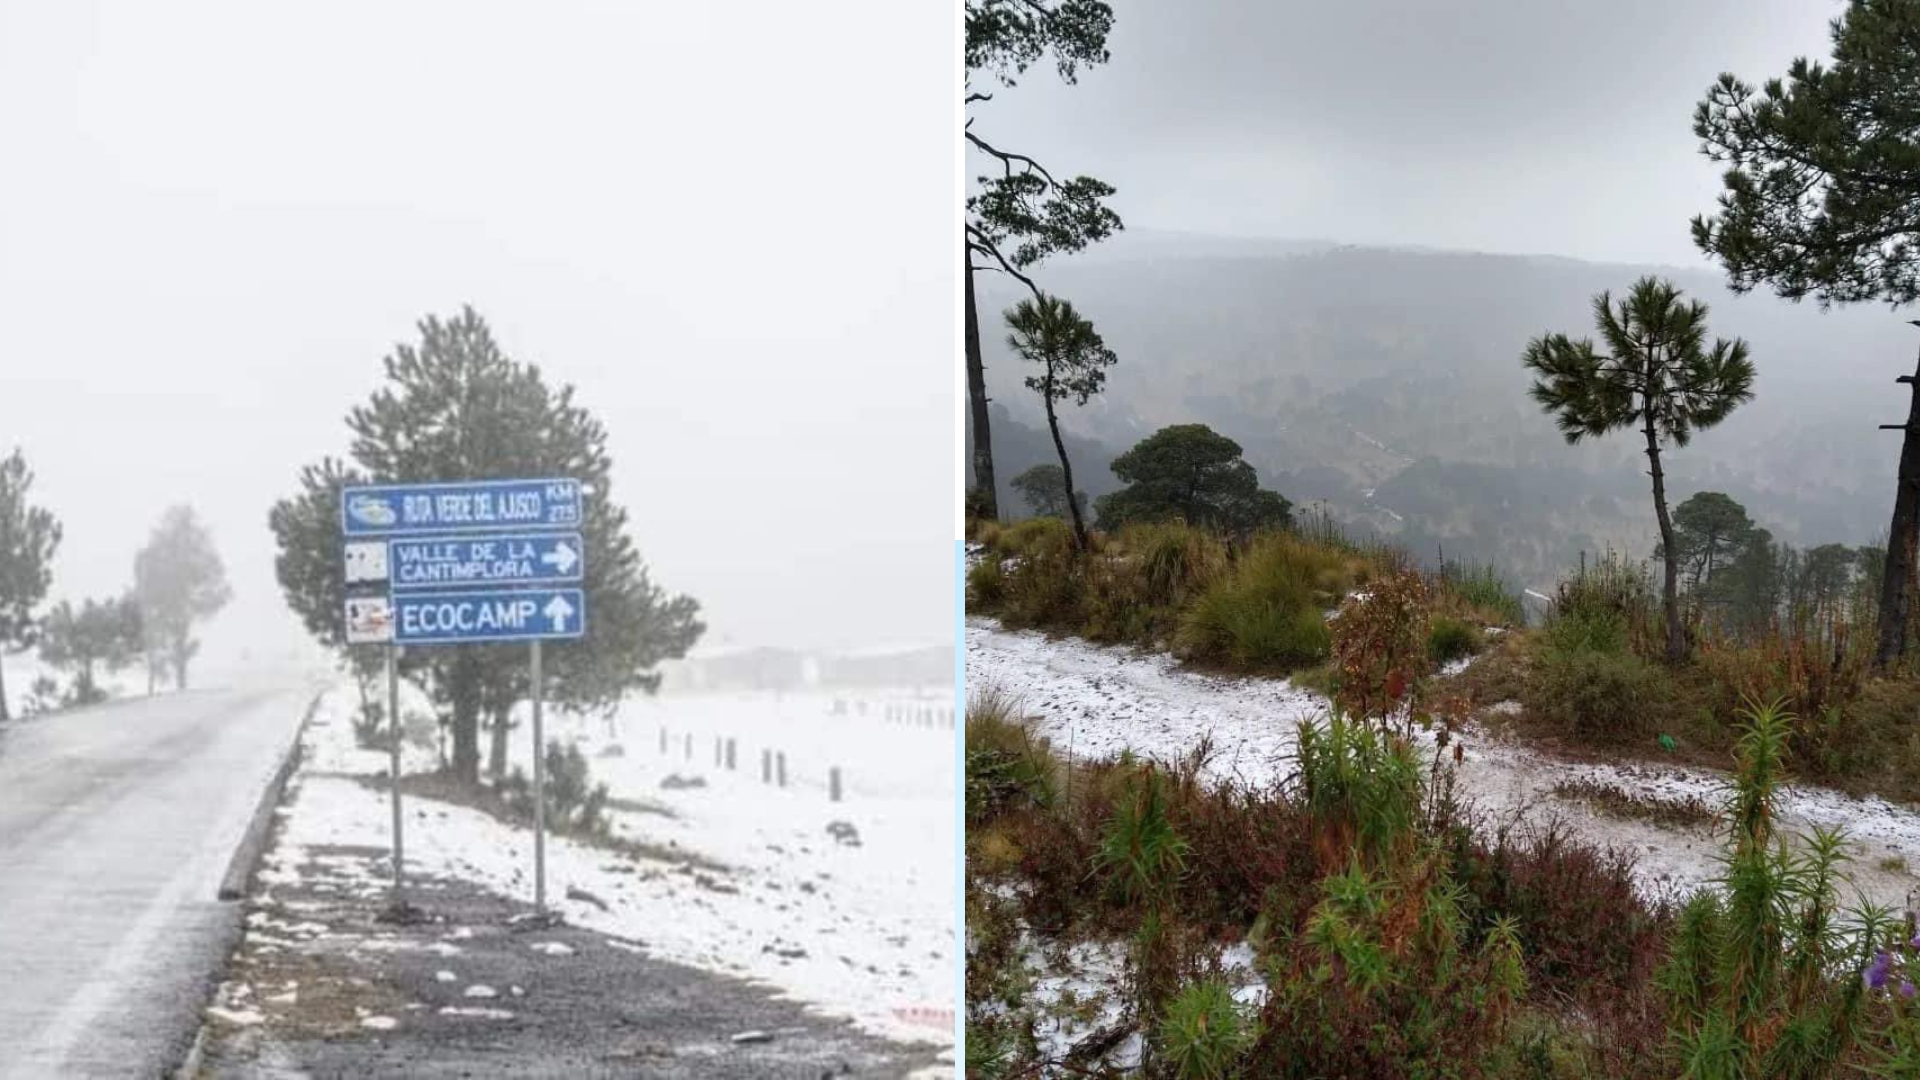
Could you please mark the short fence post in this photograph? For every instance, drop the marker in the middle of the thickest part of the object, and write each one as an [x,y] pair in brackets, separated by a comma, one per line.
[729,754]
[716,751]
[780,764]
[689,746]
[833,783]
[663,739]
[766,766]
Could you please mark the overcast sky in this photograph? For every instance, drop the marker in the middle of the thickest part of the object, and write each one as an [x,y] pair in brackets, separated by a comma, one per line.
[729,225]
[1526,126]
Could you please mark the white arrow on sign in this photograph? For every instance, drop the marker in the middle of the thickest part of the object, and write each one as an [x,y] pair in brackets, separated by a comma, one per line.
[558,611]
[562,558]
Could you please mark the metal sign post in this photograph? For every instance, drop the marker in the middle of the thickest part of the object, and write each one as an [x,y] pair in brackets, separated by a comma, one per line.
[393,727]
[539,793]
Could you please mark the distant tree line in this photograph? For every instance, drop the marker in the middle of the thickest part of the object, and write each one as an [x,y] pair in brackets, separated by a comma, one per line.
[178,583]
[1736,576]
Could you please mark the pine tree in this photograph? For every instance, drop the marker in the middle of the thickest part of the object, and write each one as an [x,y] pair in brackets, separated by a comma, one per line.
[1658,374]
[1073,360]
[29,536]
[455,407]
[1710,528]
[1822,199]
[101,634]
[1023,215]
[178,581]
[1044,488]
[1195,474]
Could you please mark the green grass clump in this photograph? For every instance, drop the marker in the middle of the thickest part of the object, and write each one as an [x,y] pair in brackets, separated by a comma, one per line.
[1266,612]
[1034,536]
[1481,590]
[1596,696]
[1450,639]
[1006,764]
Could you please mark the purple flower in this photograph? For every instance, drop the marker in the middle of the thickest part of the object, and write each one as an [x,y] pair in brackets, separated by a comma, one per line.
[1906,988]
[1915,943]
[1876,976]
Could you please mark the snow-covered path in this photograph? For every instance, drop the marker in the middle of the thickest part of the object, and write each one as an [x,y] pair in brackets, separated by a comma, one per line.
[1094,701]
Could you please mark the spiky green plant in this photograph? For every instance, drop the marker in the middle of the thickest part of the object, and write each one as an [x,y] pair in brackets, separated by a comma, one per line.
[1141,853]
[1748,981]
[1361,785]
[1204,1032]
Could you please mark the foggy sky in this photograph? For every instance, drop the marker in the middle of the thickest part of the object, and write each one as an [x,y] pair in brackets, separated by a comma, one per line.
[1522,126]
[216,218]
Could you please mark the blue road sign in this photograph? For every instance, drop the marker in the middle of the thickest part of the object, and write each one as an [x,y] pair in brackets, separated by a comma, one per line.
[439,562]
[471,506]
[449,618]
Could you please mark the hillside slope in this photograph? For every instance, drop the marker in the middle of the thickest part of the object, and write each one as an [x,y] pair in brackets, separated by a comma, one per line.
[1387,383]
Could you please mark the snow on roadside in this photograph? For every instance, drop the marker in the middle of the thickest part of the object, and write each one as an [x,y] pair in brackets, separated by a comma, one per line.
[1094,701]
[823,923]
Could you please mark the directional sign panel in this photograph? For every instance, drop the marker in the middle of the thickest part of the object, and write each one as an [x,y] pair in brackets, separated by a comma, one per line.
[446,618]
[476,506]
[434,562]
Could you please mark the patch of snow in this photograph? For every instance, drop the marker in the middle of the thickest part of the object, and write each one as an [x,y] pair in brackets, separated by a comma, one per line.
[479,1011]
[481,990]
[552,948]
[237,1017]
[853,931]
[379,1023]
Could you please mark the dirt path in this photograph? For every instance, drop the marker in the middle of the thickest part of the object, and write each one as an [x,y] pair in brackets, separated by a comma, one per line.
[1093,701]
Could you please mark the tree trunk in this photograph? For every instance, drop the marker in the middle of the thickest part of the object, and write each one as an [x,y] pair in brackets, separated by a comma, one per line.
[977,398]
[466,726]
[1066,469]
[181,649]
[4,714]
[1670,589]
[497,751]
[1896,585]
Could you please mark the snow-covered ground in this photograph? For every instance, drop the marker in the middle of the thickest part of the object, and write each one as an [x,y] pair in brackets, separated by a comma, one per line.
[1093,701]
[856,921]
[20,671]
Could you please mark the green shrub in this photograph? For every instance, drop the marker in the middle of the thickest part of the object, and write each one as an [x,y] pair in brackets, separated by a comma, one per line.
[1172,559]
[1605,607]
[1135,594]
[1034,536]
[1598,697]
[1450,639]
[1266,612]
[574,802]
[1006,764]
[986,584]
[1481,589]
[1204,1033]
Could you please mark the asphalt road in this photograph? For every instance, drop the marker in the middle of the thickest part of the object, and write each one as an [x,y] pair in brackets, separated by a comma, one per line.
[116,824]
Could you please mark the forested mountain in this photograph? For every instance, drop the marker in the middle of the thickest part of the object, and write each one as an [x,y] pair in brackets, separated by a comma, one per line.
[1386,383]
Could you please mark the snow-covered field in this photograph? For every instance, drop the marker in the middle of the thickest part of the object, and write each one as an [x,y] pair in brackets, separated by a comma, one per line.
[22,669]
[856,921]
[1093,701]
